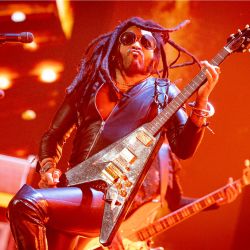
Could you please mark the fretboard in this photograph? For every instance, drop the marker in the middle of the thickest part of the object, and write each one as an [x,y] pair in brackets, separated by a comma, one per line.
[158,122]
[181,214]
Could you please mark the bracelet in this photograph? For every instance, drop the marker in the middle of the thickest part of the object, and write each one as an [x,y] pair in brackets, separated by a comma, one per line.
[205,113]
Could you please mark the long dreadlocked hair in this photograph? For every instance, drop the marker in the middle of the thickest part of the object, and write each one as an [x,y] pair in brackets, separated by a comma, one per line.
[96,64]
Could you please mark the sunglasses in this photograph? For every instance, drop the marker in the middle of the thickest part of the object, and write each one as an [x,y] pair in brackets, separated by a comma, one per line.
[147,41]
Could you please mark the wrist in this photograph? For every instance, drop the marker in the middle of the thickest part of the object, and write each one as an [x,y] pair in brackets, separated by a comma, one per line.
[47,164]
[203,112]
[200,114]
[201,102]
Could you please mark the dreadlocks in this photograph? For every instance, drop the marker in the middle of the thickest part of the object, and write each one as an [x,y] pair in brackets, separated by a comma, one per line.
[96,64]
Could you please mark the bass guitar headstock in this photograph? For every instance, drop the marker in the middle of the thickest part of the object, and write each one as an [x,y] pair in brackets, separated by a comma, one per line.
[239,42]
[246,173]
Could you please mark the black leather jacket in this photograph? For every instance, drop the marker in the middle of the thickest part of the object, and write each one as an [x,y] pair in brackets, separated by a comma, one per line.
[131,111]
[140,105]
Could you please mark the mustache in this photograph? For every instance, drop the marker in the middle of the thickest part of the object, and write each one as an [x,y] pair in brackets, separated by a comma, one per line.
[131,50]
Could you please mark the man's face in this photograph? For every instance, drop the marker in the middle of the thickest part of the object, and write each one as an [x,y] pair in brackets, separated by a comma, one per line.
[137,58]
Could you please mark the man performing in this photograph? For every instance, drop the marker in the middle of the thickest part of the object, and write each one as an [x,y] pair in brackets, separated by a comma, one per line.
[118,88]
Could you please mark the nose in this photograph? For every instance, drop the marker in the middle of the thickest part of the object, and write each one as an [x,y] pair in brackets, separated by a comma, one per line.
[136,45]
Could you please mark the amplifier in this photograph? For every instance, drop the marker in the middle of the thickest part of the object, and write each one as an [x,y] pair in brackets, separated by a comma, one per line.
[14,172]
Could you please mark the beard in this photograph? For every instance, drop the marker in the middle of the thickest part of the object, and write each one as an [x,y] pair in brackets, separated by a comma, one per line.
[135,65]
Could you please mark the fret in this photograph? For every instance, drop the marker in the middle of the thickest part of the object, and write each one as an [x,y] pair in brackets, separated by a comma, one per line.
[157,227]
[194,84]
[143,234]
[196,207]
[175,217]
[170,107]
[164,223]
[209,200]
[152,230]
[185,212]
[200,77]
[171,220]
[220,57]
[216,196]
[185,92]
[203,203]
[190,89]
[217,59]
[178,97]
[190,208]
[180,216]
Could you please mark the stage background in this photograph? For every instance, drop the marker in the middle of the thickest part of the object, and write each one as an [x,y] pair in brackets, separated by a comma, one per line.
[220,155]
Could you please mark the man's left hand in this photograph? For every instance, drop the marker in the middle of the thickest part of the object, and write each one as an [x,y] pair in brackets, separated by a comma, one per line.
[230,193]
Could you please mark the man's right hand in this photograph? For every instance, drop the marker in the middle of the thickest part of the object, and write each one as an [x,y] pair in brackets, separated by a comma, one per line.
[50,178]
[49,174]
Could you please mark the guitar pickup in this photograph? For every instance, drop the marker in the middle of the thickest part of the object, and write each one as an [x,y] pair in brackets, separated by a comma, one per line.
[121,162]
[144,138]
[127,155]
[112,172]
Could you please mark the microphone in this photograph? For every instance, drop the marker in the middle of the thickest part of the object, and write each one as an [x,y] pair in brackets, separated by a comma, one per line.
[2,94]
[24,37]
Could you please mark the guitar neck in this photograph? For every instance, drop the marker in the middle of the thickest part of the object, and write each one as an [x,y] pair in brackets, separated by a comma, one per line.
[182,214]
[158,122]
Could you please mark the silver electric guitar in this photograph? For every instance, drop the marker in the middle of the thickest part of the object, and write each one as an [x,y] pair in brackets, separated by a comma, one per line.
[123,165]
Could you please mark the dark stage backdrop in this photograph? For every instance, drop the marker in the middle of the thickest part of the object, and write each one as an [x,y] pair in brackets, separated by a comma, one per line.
[220,155]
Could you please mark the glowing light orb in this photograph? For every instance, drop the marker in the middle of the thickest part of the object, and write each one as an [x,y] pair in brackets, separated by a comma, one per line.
[18,17]
[5,82]
[29,115]
[48,75]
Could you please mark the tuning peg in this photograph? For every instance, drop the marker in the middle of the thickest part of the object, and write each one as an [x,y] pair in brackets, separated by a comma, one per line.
[239,31]
[128,183]
[232,35]
[247,163]
[245,50]
[247,26]
[122,192]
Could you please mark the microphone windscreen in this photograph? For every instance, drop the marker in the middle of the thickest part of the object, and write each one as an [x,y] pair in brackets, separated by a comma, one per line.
[26,37]
[2,94]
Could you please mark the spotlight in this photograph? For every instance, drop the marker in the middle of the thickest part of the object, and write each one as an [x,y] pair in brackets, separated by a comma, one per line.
[29,115]
[5,82]
[18,17]
[48,75]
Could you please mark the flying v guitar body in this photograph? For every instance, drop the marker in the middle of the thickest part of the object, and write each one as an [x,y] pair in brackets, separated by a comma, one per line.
[122,166]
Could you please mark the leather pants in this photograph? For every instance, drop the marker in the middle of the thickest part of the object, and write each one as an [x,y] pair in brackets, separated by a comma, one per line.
[53,218]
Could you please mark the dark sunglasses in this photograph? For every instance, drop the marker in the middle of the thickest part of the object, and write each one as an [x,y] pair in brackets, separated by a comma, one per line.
[147,41]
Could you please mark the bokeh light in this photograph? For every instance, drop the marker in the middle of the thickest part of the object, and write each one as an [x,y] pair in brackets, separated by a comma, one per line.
[18,17]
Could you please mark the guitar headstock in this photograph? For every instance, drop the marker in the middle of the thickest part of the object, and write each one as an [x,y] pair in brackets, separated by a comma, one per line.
[246,173]
[239,42]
